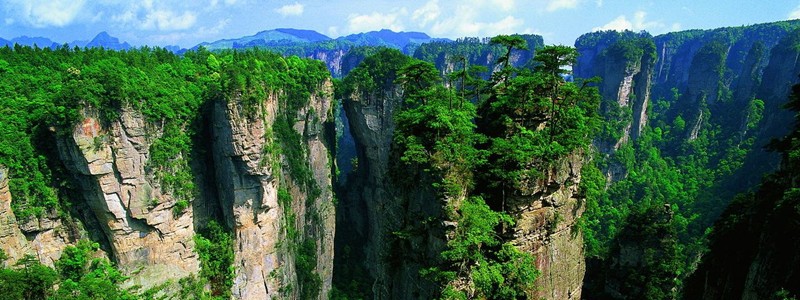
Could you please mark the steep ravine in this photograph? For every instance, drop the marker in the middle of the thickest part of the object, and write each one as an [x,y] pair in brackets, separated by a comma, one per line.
[714,102]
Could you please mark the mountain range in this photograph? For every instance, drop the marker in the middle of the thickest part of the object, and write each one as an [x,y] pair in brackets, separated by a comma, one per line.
[280,37]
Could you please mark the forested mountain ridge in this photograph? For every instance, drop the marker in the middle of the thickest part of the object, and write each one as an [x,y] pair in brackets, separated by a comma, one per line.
[753,247]
[687,117]
[205,169]
[480,168]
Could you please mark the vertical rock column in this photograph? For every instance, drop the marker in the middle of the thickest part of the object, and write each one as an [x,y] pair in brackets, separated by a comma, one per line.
[137,217]
[248,193]
[546,212]
[12,239]
[248,188]
[372,208]
[44,236]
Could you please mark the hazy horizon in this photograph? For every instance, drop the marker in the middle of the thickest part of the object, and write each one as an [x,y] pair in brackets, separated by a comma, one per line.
[188,24]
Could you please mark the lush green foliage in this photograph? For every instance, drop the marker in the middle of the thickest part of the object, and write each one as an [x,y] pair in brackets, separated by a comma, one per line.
[32,281]
[532,118]
[57,89]
[305,263]
[535,118]
[214,245]
[757,229]
[375,74]
[497,269]
[304,251]
[80,276]
[689,160]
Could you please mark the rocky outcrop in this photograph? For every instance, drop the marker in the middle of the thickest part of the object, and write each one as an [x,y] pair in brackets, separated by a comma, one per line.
[371,207]
[451,56]
[333,59]
[546,214]
[249,180]
[110,165]
[14,244]
[625,62]
[44,236]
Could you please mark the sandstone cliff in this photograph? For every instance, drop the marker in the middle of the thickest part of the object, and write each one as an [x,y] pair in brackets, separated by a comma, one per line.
[372,207]
[249,180]
[625,63]
[135,214]
[144,182]
[708,92]
[546,213]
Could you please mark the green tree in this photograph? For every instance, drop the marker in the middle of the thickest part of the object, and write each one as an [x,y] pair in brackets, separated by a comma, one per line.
[215,248]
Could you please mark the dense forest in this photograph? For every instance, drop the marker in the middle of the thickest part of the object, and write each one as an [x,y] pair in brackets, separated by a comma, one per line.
[630,166]
[48,92]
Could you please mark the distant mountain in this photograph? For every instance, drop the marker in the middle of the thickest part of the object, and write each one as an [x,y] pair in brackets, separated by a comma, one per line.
[79,43]
[281,38]
[275,37]
[107,41]
[174,48]
[308,35]
[102,39]
[388,38]
[40,42]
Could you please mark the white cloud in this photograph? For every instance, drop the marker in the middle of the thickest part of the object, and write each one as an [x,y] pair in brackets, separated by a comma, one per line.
[167,20]
[638,23]
[216,29]
[333,31]
[507,25]
[295,9]
[504,5]
[44,13]
[555,5]
[97,17]
[124,17]
[795,14]
[621,23]
[427,13]
[376,21]
[599,3]
[147,15]
[464,22]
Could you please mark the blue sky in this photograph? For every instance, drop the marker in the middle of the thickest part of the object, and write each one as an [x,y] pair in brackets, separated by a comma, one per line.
[187,23]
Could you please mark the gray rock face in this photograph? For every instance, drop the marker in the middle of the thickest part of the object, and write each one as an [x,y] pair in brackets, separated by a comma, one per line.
[546,212]
[371,207]
[12,239]
[134,213]
[248,185]
[626,83]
